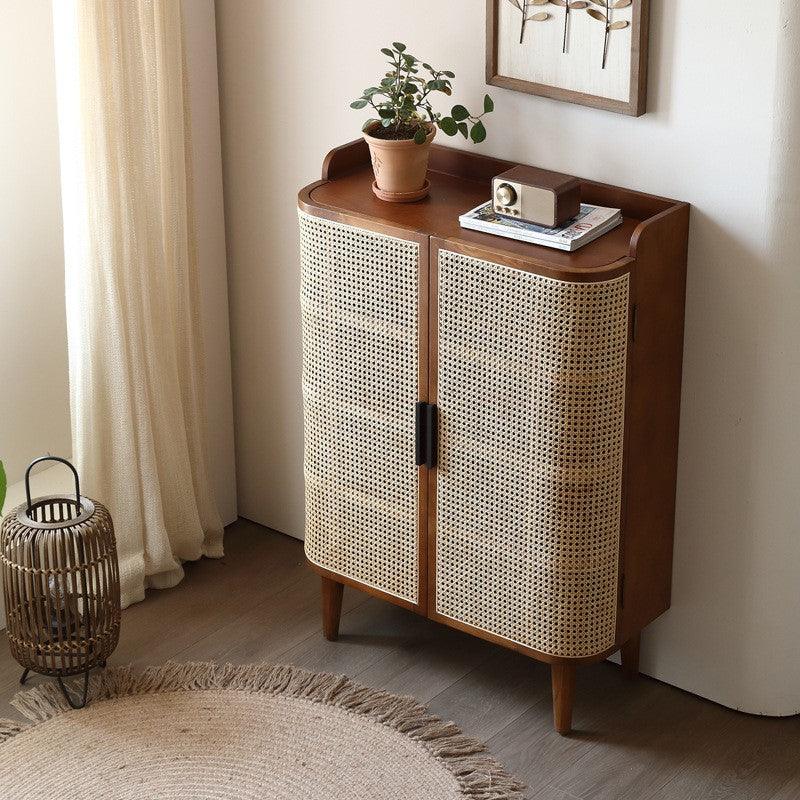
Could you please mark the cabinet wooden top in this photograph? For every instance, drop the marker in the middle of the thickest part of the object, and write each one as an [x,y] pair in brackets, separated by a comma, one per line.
[460,181]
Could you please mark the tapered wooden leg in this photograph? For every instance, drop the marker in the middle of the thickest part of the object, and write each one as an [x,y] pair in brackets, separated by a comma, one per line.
[629,655]
[563,680]
[331,608]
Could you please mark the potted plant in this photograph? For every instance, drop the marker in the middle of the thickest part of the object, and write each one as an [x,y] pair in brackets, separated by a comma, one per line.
[399,138]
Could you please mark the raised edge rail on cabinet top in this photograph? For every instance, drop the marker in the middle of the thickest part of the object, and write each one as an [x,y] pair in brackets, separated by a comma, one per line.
[461,180]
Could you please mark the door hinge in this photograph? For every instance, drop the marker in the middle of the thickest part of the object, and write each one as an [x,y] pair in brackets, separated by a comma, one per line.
[426,434]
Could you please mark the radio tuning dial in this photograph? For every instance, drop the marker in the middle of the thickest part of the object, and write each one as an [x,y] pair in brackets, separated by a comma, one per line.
[506,195]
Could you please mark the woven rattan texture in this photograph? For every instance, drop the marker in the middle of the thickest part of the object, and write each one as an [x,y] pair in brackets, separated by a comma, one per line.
[61,586]
[531,398]
[359,303]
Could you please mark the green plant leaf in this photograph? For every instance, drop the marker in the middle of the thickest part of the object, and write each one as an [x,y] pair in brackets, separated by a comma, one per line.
[387,52]
[462,127]
[386,123]
[358,104]
[399,46]
[3,487]
[448,74]
[478,132]
[448,126]
[488,104]
[385,113]
[420,136]
[459,113]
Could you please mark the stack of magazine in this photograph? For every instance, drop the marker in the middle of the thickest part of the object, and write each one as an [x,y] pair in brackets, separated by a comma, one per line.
[591,222]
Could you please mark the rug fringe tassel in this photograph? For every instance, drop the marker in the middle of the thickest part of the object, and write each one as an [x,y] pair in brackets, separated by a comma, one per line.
[480,776]
[9,728]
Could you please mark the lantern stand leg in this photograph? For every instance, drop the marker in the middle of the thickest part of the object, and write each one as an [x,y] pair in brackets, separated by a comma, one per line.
[25,674]
[72,704]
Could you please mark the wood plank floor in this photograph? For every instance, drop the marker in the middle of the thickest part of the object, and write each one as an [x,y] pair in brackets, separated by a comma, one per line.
[634,741]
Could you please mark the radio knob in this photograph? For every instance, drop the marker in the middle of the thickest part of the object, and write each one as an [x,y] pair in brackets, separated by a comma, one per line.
[506,195]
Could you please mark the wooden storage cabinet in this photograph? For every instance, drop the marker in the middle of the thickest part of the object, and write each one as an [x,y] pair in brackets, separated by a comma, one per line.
[491,427]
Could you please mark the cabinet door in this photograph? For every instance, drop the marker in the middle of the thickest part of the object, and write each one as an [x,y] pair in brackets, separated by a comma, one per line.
[530,384]
[360,304]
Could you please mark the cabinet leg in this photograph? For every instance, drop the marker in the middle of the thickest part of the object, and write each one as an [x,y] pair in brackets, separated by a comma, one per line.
[331,608]
[563,680]
[629,655]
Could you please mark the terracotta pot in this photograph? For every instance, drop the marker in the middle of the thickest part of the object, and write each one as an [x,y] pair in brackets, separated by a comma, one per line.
[400,166]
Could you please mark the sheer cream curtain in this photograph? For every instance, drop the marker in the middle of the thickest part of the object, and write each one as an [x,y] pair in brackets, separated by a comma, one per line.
[135,349]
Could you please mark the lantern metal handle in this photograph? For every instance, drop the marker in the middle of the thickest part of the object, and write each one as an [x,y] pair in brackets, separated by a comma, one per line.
[50,458]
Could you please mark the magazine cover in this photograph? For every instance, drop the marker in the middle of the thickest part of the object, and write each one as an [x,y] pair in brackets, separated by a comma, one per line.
[589,219]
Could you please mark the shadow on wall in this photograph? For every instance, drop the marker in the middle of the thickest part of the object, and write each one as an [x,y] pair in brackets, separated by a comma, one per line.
[661,57]
[713,539]
[262,245]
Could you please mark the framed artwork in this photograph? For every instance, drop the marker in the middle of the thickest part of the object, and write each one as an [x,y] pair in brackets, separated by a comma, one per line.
[591,52]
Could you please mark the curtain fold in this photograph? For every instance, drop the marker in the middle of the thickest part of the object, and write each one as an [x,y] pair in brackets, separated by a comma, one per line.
[135,347]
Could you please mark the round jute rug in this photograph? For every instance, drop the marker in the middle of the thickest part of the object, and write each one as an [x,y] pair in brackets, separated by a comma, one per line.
[261,731]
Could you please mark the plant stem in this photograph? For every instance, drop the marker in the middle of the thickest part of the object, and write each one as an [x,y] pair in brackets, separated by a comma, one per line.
[608,32]
[566,25]
[524,20]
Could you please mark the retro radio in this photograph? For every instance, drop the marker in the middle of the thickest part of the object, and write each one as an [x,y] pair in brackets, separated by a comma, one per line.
[536,195]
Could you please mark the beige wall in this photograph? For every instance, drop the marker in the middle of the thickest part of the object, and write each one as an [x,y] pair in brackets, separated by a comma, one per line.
[34,384]
[721,134]
[34,391]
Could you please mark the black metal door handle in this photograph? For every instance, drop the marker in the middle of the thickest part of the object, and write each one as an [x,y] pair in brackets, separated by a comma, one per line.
[431,435]
[419,434]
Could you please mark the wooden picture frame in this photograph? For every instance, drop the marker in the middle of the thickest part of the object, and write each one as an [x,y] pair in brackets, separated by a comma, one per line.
[634,104]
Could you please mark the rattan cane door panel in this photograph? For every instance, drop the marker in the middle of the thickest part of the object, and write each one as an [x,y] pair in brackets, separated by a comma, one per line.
[360,309]
[531,396]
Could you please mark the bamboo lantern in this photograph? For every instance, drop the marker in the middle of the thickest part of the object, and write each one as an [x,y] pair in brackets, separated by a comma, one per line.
[61,584]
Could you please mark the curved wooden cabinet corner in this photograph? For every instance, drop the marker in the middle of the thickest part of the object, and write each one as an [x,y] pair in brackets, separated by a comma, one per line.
[491,427]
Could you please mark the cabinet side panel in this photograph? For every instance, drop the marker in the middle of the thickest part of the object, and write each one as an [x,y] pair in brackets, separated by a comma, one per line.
[659,290]
[531,395]
[359,302]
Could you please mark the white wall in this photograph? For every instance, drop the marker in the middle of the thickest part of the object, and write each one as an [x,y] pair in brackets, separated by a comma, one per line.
[722,134]
[34,389]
